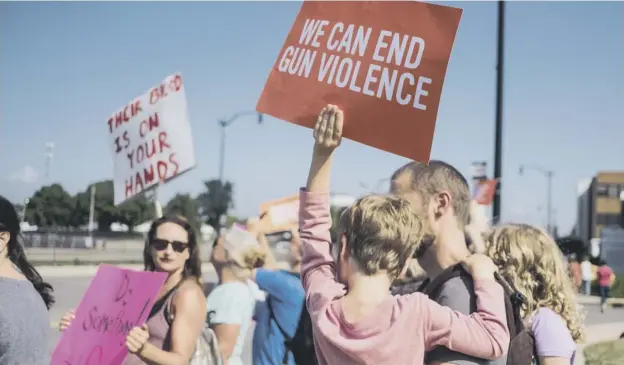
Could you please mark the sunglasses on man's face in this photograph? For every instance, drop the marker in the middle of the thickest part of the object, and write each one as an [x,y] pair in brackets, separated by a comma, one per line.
[161,244]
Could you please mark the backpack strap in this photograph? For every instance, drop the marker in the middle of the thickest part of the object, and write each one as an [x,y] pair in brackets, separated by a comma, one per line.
[513,303]
[281,329]
[513,298]
[272,316]
[433,287]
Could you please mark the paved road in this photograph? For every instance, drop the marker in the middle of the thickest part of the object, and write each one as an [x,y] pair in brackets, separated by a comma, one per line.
[68,292]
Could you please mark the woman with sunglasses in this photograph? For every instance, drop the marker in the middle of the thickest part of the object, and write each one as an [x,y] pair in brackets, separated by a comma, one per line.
[170,334]
[231,304]
[24,298]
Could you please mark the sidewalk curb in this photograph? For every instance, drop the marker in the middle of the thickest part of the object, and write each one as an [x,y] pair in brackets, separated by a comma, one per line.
[583,299]
[604,332]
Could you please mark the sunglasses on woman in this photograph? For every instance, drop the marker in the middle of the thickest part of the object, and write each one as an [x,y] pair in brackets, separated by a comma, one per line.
[160,244]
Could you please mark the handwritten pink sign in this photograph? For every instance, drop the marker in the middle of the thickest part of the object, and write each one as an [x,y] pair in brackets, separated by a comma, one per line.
[115,301]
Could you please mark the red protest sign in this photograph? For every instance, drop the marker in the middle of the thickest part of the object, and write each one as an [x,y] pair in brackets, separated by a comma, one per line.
[383,63]
[484,191]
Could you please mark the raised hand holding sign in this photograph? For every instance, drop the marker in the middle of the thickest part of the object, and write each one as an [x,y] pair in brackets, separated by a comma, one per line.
[382,62]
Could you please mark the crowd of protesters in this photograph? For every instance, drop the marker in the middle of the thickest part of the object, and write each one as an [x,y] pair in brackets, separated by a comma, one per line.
[415,276]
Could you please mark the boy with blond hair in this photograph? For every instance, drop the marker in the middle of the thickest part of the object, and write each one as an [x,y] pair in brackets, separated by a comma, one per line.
[355,319]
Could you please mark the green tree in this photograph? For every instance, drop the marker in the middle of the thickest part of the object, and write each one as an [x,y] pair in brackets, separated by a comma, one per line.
[130,213]
[186,206]
[51,206]
[230,219]
[216,201]
[572,245]
[136,211]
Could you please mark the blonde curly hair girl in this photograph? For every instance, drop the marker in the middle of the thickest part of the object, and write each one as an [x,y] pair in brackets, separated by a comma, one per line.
[529,259]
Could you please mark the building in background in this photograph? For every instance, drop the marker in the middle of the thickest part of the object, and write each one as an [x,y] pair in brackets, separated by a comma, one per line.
[584,206]
[599,204]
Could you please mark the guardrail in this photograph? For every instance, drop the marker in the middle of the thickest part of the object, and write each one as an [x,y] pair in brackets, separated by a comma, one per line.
[57,249]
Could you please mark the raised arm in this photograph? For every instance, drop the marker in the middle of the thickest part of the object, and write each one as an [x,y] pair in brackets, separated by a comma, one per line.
[317,265]
[483,334]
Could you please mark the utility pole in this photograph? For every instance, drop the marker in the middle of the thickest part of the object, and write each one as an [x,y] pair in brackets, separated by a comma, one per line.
[549,221]
[224,123]
[26,201]
[91,216]
[49,155]
[498,134]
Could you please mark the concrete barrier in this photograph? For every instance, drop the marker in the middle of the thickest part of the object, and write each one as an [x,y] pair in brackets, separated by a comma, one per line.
[119,252]
[69,271]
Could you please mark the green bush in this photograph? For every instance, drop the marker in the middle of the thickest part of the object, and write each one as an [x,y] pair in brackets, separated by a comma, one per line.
[605,353]
[617,290]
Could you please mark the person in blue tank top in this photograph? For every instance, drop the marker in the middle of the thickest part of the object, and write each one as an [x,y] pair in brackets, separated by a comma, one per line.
[284,300]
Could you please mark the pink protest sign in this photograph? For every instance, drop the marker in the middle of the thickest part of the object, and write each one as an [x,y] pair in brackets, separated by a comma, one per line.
[116,300]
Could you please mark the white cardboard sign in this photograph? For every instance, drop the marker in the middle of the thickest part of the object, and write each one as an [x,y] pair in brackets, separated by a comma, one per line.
[283,214]
[151,139]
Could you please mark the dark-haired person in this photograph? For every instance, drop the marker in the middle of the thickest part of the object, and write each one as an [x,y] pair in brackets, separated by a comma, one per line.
[176,320]
[24,298]
[440,193]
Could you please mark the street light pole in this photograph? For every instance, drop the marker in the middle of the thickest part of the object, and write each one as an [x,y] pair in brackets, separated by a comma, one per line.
[378,185]
[91,216]
[26,201]
[549,227]
[49,155]
[224,123]
[498,130]
[222,150]
[549,176]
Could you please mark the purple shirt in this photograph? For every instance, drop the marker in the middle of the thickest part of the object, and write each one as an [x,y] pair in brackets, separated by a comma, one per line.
[552,337]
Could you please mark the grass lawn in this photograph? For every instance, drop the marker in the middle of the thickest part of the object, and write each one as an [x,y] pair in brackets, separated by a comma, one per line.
[605,353]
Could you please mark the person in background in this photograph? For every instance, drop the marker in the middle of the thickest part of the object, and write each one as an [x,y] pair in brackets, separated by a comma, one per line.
[175,322]
[530,261]
[281,310]
[231,304]
[24,298]
[586,275]
[606,278]
[347,283]
[574,270]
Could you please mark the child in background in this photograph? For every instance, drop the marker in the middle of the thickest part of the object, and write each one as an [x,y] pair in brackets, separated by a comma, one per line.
[355,319]
[530,261]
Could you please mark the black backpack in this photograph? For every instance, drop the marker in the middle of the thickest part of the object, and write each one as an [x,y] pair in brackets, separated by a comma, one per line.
[522,344]
[301,345]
